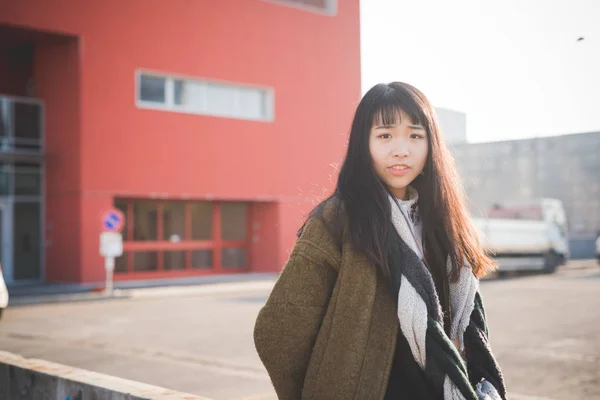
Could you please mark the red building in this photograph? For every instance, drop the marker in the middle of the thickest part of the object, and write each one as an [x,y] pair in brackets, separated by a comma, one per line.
[213,125]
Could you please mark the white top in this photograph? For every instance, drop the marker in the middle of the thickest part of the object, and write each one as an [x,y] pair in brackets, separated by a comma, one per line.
[410,211]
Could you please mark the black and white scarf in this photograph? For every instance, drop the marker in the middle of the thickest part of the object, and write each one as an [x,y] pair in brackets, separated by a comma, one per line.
[461,365]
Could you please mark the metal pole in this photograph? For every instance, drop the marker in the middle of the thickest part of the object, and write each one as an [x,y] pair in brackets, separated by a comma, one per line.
[109,265]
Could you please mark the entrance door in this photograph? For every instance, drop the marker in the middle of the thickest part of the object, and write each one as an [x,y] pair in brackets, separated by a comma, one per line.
[20,242]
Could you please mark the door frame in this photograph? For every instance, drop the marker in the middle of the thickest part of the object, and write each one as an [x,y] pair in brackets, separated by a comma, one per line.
[7,202]
[6,208]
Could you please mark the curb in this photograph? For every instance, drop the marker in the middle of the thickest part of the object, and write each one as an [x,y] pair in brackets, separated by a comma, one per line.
[211,289]
[579,264]
[203,290]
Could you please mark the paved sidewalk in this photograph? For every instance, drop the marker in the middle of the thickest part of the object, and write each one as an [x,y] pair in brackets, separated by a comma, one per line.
[191,286]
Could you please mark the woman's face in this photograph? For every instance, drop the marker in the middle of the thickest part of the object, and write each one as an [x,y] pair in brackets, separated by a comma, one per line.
[399,152]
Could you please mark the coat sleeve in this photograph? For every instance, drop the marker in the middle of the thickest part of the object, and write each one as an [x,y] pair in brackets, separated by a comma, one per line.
[481,363]
[287,326]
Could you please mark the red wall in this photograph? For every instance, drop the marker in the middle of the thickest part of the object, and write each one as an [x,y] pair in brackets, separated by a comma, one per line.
[56,72]
[311,61]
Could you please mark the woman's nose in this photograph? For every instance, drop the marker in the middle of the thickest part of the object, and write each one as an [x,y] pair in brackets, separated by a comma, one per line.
[400,150]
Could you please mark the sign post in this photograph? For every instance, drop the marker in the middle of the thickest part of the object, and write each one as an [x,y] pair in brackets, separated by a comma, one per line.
[111,244]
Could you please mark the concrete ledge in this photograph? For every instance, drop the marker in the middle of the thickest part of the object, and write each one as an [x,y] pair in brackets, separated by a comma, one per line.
[22,378]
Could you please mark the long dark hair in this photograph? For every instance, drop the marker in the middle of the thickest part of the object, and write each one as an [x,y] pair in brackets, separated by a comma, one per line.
[447,230]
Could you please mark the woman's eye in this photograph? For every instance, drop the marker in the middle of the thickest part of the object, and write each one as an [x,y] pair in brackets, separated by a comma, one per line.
[416,136]
[385,136]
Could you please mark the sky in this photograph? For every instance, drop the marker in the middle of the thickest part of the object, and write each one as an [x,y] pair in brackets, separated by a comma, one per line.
[515,67]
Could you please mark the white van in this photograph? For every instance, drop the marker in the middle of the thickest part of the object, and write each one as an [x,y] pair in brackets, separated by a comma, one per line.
[526,236]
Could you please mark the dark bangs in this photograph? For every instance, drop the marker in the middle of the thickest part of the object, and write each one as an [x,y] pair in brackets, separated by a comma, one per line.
[386,108]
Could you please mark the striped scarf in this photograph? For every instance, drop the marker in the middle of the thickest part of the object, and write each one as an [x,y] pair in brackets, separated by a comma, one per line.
[461,365]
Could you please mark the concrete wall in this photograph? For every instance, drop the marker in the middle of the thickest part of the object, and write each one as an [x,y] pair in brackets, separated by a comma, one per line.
[453,124]
[22,378]
[582,248]
[561,167]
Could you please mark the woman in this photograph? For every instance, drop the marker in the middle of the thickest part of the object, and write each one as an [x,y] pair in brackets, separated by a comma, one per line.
[379,298]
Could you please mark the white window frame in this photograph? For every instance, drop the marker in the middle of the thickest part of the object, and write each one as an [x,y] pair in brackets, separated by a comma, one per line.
[331,6]
[169,104]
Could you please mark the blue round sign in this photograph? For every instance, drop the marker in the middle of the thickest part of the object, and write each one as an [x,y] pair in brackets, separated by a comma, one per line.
[113,220]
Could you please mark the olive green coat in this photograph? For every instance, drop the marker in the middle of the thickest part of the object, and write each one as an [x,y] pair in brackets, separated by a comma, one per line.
[328,330]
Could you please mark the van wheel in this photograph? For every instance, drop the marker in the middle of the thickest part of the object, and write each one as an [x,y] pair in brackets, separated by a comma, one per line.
[551,262]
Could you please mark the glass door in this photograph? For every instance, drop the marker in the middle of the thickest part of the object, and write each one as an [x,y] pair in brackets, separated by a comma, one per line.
[26,241]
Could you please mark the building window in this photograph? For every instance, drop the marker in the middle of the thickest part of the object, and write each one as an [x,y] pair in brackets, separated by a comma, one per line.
[28,179]
[21,179]
[174,259]
[328,7]
[196,96]
[173,221]
[153,89]
[201,216]
[5,179]
[233,257]
[167,235]
[233,222]
[21,124]
[145,215]
[145,260]
[201,259]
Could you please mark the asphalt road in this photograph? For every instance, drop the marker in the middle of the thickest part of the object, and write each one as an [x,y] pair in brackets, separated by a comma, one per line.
[545,331]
